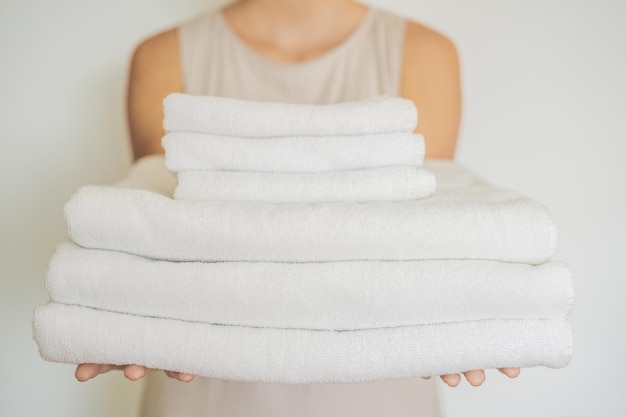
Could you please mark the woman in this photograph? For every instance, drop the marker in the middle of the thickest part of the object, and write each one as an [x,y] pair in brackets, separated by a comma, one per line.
[305,51]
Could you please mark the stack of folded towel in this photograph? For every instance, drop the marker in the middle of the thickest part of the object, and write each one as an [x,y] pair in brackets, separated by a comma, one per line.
[278,153]
[257,285]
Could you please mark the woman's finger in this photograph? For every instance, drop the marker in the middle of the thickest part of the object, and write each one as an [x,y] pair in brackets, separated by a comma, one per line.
[180,376]
[451,379]
[475,377]
[134,372]
[86,371]
[510,372]
[185,377]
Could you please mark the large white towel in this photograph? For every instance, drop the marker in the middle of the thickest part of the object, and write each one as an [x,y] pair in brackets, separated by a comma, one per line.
[73,334]
[394,183]
[467,223]
[195,151]
[318,296]
[232,117]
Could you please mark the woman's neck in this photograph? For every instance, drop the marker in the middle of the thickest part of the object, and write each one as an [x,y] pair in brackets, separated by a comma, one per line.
[293,29]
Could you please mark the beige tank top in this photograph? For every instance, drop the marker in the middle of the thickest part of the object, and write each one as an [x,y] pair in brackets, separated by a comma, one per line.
[215,61]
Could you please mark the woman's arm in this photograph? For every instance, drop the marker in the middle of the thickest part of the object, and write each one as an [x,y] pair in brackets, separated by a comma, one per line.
[430,78]
[154,73]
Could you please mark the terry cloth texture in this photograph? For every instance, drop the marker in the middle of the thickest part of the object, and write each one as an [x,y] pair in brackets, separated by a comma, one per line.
[457,223]
[394,183]
[195,151]
[256,119]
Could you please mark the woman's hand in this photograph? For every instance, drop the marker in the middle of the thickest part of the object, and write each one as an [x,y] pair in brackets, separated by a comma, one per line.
[476,377]
[86,371]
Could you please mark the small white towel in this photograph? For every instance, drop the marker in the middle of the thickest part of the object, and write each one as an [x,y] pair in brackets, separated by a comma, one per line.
[316,296]
[194,151]
[150,173]
[242,118]
[467,223]
[395,183]
[72,334]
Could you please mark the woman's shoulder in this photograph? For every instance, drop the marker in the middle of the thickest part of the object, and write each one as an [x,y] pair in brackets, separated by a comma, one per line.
[163,48]
[157,46]
[421,40]
[421,46]
[416,34]
[157,57]
[426,50]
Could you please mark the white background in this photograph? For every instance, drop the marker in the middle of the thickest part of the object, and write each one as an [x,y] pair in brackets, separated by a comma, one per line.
[544,105]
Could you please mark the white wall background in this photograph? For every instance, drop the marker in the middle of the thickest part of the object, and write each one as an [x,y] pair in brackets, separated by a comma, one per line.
[545,93]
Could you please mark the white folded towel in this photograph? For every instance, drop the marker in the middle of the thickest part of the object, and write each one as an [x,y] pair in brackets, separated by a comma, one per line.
[394,183]
[195,151]
[73,334]
[231,117]
[467,223]
[318,296]
[150,173]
